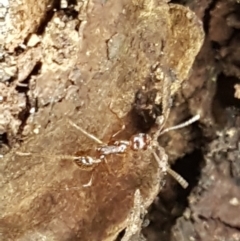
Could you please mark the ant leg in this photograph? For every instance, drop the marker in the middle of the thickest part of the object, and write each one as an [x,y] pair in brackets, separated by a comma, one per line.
[120,120]
[89,184]
[171,172]
[106,164]
[162,162]
[122,129]
[94,138]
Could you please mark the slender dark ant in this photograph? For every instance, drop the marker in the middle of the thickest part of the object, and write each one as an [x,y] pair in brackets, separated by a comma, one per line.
[137,142]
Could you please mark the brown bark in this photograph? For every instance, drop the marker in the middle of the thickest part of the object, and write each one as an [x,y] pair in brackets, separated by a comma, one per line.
[85,63]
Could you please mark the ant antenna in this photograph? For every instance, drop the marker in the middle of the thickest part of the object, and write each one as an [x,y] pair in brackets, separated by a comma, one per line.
[94,138]
[178,178]
[171,172]
[182,125]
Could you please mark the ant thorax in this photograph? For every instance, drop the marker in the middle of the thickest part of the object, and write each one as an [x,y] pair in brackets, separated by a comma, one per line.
[116,148]
[137,142]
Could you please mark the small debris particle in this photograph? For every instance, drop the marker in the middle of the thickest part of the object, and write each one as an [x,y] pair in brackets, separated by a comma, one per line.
[237,91]
[32,110]
[64,4]
[33,40]
[36,131]
[234,201]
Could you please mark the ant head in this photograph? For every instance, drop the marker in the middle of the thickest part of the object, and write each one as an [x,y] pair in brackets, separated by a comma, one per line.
[140,141]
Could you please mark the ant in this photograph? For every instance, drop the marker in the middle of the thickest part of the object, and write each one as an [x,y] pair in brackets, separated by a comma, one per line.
[137,142]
